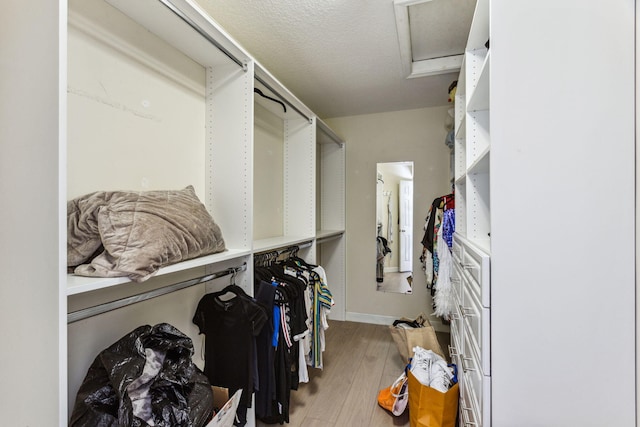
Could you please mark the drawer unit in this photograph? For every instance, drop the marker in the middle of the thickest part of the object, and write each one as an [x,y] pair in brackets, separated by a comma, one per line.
[457,278]
[476,264]
[456,328]
[471,332]
[471,313]
[468,413]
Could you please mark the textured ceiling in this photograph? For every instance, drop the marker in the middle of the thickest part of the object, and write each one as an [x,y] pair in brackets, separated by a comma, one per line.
[339,57]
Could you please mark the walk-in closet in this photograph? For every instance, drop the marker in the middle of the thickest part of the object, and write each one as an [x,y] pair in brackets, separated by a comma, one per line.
[272,121]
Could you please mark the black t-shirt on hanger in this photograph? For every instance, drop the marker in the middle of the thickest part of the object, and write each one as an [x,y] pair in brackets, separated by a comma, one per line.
[230,327]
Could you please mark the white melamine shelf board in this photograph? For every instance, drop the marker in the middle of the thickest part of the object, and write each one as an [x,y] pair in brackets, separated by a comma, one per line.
[323,234]
[461,180]
[484,244]
[461,131]
[170,26]
[479,98]
[461,88]
[271,243]
[80,284]
[479,32]
[326,134]
[481,164]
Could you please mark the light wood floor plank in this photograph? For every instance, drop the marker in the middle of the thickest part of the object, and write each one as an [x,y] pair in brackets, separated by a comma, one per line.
[360,359]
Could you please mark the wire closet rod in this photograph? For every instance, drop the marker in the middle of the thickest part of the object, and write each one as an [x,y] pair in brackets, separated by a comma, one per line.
[275,92]
[327,239]
[85,313]
[202,32]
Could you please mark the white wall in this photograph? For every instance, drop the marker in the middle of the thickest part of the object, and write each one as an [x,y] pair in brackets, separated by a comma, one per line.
[30,256]
[412,135]
[268,178]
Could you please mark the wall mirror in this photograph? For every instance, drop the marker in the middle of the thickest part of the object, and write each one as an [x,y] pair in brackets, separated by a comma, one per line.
[394,227]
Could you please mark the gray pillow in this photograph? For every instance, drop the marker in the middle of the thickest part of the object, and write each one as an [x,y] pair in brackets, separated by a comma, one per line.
[144,231]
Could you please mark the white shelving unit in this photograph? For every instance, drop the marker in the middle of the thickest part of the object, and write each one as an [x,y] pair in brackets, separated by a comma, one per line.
[258,168]
[330,224]
[470,326]
[520,305]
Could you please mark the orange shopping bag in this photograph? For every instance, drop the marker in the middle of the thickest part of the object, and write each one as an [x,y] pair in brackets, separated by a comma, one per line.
[429,407]
[394,398]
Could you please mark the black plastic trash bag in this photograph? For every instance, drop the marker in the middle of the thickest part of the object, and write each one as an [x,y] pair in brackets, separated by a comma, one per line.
[146,378]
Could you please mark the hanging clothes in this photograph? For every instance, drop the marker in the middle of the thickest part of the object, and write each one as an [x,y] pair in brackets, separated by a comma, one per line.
[389,220]
[436,253]
[230,326]
[297,301]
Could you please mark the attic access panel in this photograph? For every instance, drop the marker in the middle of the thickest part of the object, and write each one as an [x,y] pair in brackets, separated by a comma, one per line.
[432,34]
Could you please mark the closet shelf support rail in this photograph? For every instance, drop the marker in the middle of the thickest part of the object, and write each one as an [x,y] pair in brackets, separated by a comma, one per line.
[275,92]
[203,33]
[85,313]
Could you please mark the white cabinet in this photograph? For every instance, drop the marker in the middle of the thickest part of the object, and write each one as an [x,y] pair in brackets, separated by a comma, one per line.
[470,331]
[543,140]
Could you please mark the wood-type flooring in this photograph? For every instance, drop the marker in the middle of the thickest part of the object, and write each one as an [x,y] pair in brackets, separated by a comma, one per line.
[360,359]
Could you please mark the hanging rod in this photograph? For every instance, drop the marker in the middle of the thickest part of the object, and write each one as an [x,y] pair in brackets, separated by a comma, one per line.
[329,238]
[85,313]
[202,32]
[258,78]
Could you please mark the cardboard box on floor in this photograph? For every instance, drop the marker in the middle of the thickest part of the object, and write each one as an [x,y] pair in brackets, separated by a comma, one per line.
[225,407]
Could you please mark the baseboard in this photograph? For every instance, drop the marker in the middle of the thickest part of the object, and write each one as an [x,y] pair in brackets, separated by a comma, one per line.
[378,319]
[391,269]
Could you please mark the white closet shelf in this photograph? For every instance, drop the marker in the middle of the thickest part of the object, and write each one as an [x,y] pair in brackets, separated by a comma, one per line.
[271,243]
[483,243]
[461,130]
[461,87]
[479,99]
[481,164]
[327,135]
[325,234]
[461,180]
[80,284]
[479,32]
[189,30]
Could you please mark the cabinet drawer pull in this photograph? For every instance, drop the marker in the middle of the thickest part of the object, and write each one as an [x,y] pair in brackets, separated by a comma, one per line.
[465,368]
[453,352]
[465,416]
[466,311]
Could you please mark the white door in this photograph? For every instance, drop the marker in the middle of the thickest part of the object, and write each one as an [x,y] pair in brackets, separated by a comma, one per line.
[405,218]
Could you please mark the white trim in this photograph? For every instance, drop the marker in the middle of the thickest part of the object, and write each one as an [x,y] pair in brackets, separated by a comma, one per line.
[425,67]
[378,319]
[435,66]
[62,213]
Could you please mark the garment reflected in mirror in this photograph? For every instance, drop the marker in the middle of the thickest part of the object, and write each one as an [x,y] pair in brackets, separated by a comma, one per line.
[394,227]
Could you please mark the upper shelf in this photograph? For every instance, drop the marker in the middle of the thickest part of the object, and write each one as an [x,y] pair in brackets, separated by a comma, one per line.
[80,284]
[184,25]
[479,97]
[326,134]
[481,164]
[272,243]
[479,32]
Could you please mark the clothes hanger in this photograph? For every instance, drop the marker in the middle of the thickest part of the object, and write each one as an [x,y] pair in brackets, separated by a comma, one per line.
[259,92]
